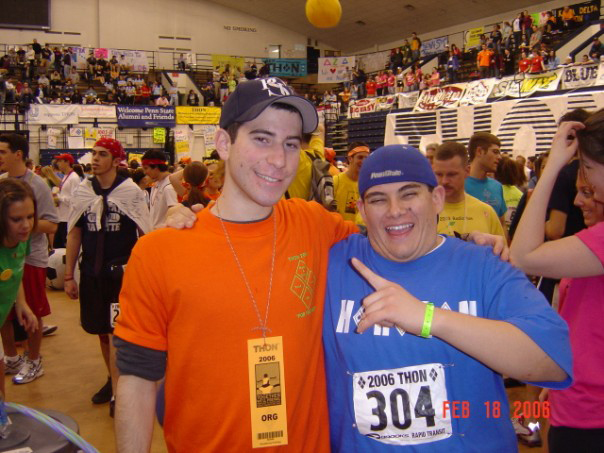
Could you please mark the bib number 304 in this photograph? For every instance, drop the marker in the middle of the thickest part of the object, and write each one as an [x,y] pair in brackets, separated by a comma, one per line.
[399,406]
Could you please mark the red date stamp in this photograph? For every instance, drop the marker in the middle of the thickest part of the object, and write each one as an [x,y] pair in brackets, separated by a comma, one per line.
[527,409]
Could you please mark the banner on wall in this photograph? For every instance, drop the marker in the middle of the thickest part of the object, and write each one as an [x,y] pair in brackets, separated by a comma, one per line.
[584,11]
[159,135]
[524,126]
[183,135]
[407,100]
[75,139]
[336,69]
[477,92]
[53,114]
[580,76]
[145,116]
[208,132]
[136,60]
[441,97]
[197,115]
[287,67]
[228,61]
[547,81]
[97,111]
[434,46]
[101,53]
[367,105]
[472,37]
[373,62]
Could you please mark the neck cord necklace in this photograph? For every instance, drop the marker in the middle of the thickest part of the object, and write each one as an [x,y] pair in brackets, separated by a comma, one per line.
[263,324]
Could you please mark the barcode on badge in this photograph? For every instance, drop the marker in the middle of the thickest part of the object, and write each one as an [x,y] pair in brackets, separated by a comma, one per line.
[270,435]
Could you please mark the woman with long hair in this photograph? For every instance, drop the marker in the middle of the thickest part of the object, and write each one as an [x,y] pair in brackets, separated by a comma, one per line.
[577,413]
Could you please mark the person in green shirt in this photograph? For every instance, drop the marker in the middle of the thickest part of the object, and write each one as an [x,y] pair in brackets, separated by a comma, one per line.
[18,219]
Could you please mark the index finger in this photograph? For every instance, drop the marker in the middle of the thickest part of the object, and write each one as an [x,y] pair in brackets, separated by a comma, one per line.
[372,278]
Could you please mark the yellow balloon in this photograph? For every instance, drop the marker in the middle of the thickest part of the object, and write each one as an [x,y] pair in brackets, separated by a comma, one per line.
[323,13]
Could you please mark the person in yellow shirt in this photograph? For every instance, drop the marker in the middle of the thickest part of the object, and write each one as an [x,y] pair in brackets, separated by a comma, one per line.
[462,212]
[346,185]
[312,144]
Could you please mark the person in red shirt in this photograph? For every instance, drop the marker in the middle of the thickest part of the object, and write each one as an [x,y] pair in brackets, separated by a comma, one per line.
[145,94]
[537,62]
[371,87]
[524,64]
[380,83]
[391,82]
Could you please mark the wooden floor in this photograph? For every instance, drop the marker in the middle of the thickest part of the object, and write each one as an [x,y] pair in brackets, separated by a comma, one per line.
[74,371]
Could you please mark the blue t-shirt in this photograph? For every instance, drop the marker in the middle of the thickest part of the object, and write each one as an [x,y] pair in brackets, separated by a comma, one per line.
[489,191]
[387,388]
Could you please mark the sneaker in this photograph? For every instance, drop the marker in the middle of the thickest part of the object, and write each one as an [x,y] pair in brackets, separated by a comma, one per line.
[29,372]
[49,330]
[13,366]
[528,435]
[104,394]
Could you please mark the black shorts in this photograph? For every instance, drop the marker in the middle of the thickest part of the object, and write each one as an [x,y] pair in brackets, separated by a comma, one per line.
[97,296]
[60,240]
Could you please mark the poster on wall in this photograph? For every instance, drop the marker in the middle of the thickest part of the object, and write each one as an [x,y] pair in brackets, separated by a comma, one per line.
[52,136]
[197,115]
[224,62]
[145,116]
[584,11]
[373,62]
[434,46]
[440,97]
[52,114]
[287,67]
[183,138]
[477,92]
[335,69]
[580,76]
[472,37]
[375,104]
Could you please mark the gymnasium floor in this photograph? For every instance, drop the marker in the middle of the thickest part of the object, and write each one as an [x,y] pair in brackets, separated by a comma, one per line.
[74,371]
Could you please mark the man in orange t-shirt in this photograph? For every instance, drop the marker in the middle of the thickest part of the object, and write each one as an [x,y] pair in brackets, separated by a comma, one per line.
[483,61]
[252,266]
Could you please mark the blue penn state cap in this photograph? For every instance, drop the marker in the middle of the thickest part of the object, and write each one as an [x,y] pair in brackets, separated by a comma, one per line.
[395,163]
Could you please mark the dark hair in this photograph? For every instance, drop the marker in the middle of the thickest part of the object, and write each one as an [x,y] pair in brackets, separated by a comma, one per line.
[134,164]
[539,164]
[508,172]
[449,150]
[591,139]
[88,168]
[123,171]
[11,191]
[580,115]
[482,140]
[138,175]
[78,169]
[156,154]
[195,174]
[16,142]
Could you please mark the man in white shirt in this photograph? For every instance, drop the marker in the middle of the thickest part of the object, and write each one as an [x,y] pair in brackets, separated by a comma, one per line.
[66,189]
[163,195]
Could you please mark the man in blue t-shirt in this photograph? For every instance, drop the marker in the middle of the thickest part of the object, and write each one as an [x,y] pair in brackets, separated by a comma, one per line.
[484,151]
[419,328]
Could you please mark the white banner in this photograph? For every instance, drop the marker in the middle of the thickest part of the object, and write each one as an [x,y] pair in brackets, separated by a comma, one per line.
[380,103]
[97,111]
[335,69]
[135,59]
[477,92]
[373,62]
[581,76]
[407,100]
[547,81]
[52,114]
[441,97]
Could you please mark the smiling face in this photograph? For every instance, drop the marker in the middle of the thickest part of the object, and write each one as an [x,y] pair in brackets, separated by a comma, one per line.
[593,211]
[401,219]
[594,175]
[19,222]
[262,161]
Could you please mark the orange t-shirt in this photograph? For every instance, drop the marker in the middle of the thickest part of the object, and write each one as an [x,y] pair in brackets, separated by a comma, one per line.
[183,293]
[484,57]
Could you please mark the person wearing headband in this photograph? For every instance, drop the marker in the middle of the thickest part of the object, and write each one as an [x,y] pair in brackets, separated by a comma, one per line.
[200,305]
[419,328]
[108,214]
[346,186]
[163,195]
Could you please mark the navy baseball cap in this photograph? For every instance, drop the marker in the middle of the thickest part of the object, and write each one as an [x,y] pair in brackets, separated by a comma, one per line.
[395,163]
[250,98]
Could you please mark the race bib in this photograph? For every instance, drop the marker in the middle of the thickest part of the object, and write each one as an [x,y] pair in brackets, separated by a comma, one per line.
[115,312]
[402,406]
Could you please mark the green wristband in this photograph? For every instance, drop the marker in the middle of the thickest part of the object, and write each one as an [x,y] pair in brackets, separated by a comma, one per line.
[428,315]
